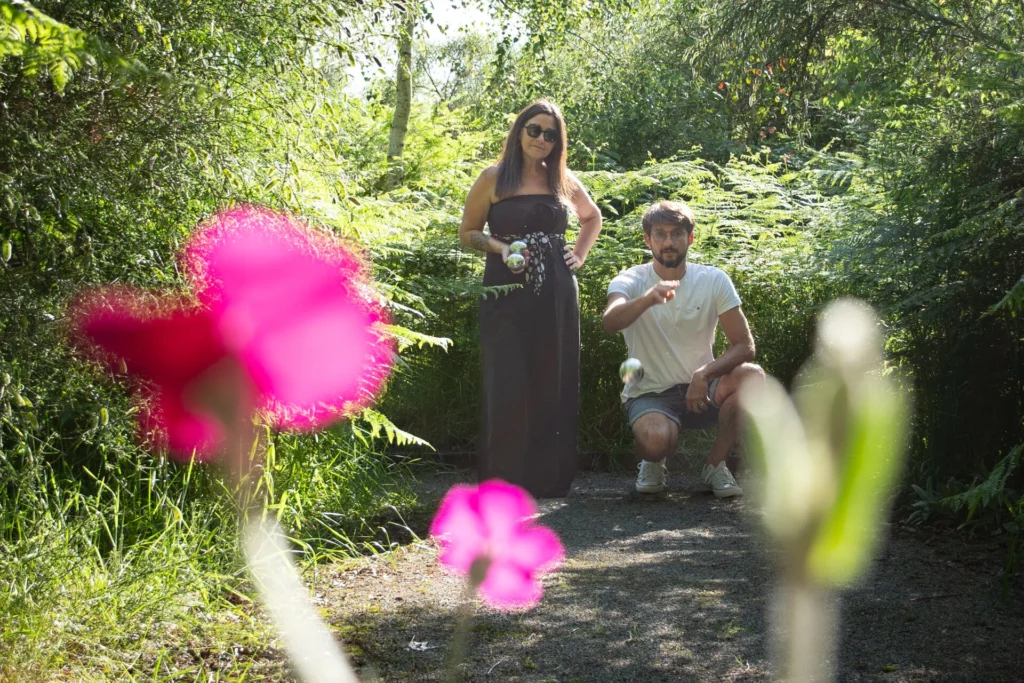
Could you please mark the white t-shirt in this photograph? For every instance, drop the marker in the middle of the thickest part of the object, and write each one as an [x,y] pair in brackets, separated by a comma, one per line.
[675,338]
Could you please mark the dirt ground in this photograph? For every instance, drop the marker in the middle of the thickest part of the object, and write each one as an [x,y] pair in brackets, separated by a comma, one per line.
[675,587]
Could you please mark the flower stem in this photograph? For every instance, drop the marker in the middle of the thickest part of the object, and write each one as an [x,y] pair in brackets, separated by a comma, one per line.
[311,646]
[461,637]
[460,640]
[805,624]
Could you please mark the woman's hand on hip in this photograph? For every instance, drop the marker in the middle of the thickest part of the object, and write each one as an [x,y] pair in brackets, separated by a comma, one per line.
[572,259]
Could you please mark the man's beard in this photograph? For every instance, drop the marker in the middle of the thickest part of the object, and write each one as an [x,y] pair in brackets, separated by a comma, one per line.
[675,262]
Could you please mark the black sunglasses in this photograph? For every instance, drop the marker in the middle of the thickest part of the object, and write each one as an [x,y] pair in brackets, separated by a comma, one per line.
[534,131]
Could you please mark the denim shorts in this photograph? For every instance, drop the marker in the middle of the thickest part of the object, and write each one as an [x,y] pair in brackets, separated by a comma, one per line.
[672,404]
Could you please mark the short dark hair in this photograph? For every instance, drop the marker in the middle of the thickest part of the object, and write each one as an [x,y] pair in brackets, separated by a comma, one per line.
[676,214]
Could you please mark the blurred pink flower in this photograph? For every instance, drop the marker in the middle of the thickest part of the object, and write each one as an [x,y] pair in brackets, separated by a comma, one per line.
[490,527]
[166,344]
[285,304]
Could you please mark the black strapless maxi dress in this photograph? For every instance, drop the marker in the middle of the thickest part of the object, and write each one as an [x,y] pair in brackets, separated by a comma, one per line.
[530,352]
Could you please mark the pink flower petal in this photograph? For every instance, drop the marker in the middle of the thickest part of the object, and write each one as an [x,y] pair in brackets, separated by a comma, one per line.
[321,359]
[493,521]
[508,586]
[289,303]
[503,507]
[459,529]
[186,431]
[167,346]
[536,549]
[210,274]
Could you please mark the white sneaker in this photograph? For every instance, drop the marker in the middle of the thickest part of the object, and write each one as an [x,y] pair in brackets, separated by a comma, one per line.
[652,477]
[720,481]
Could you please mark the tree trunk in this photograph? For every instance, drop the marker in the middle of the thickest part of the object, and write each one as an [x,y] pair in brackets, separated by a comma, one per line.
[403,101]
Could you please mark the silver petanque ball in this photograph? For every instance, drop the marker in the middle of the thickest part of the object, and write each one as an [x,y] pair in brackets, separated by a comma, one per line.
[517,246]
[516,263]
[631,371]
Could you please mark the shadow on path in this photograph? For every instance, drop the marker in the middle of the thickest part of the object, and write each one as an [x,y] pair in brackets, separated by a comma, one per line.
[673,587]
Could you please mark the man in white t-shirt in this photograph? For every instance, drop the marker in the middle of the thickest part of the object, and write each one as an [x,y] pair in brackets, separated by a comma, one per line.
[668,310]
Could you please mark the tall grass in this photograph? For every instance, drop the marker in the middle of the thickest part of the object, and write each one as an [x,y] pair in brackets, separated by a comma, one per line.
[104,571]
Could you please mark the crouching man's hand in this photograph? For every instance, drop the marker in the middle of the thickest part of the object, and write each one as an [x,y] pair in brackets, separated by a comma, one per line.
[697,394]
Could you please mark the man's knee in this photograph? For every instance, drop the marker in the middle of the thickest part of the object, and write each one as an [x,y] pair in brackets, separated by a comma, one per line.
[739,375]
[656,433]
[746,372]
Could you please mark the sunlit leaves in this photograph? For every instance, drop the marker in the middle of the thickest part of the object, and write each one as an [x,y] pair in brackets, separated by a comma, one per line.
[1012,302]
[43,44]
[379,425]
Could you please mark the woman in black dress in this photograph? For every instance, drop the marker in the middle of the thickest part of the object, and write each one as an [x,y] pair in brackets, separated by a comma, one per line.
[530,336]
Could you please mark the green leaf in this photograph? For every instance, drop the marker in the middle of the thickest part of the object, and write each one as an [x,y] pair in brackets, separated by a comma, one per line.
[1013,301]
[871,464]
[796,487]
[407,338]
[381,424]
[59,74]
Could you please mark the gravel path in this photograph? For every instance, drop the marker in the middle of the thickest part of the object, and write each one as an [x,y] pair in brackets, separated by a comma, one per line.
[675,587]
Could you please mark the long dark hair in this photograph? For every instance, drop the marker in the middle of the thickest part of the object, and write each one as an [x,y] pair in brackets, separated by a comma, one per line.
[510,167]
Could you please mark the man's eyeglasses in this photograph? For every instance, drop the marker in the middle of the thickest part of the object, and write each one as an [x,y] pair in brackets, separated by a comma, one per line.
[534,131]
[676,235]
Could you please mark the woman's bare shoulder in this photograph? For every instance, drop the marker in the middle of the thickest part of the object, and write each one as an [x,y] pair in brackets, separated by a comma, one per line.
[574,180]
[489,175]
[487,182]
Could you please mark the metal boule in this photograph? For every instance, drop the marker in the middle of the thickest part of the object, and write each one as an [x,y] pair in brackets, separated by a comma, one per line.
[516,263]
[517,246]
[631,371]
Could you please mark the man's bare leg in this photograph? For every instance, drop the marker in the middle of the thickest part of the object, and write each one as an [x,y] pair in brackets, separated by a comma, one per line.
[728,431]
[715,474]
[655,437]
[727,398]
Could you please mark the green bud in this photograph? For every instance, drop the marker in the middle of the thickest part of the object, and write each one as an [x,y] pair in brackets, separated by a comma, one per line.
[797,484]
[849,338]
[872,460]
[832,456]
[104,417]
[8,250]
[7,379]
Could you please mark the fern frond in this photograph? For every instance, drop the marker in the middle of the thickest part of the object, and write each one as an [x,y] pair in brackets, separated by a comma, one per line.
[1013,301]
[406,338]
[379,424]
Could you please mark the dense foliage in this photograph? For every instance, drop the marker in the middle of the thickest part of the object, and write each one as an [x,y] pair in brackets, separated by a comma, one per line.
[873,149]
[909,115]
